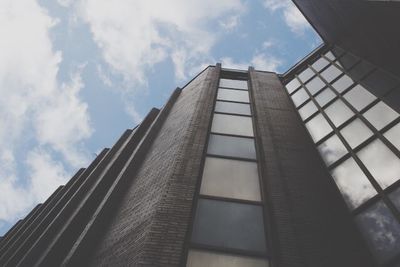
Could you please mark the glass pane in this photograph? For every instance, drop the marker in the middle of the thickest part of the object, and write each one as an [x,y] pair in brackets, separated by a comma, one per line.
[348,61]
[231,146]
[380,115]
[356,132]
[233,95]
[360,70]
[238,84]
[342,83]
[199,258]
[315,85]
[381,230]
[318,127]
[393,135]
[229,225]
[230,178]
[307,110]
[338,112]
[292,85]
[324,97]
[306,74]
[320,64]
[330,73]
[395,198]
[235,108]
[332,149]
[381,163]
[231,124]
[380,82]
[299,97]
[352,183]
[359,97]
[330,55]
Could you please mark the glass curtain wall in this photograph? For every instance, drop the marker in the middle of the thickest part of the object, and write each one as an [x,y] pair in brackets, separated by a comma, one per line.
[358,137]
[228,227]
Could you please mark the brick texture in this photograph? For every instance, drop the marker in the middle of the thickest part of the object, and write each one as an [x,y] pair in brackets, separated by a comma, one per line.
[150,224]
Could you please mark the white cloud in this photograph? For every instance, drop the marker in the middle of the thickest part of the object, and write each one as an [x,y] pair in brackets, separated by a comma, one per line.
[292,15]
[259,61]
[135,35]
[39,116]
[230,22]
[46,174]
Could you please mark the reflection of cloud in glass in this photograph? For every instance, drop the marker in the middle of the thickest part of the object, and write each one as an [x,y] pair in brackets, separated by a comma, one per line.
[353,183]
[342,83]
[393,135]
[307,110]
[356,132]
[380,115]
[338,112]
[315,85]
[395,197]
[332,150]
[318,127]
[359,97]
[331,73]
[381,162]
[324,97]
[381,230]
[299,97]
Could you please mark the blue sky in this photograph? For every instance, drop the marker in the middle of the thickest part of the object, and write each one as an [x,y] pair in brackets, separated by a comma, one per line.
[75,74]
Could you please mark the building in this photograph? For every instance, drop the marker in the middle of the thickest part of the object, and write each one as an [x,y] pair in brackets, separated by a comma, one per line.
[239,168]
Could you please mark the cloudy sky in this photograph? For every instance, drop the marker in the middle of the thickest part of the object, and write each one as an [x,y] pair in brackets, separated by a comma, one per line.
[75,74]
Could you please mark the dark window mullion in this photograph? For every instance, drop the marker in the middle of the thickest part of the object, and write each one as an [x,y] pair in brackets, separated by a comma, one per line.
[363,119]
[370,177]
[357,159]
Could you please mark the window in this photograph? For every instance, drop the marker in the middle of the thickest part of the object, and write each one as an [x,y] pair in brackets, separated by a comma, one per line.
[395,197]
[299,97]
[233,95]
[331,73]
[332,149]
[315,85]
[338,112]
[393,135]
[230,178]
[380,115]
[342,83]
[381,163]
[229,225]
[231,146]
[381,230]
[292,85]
[324,97]
[305,75]
[320,64]
[352,183]
[202,258]
[358,97]
[318,127]
[307,110]
[330,55]
[231,124]
[234,108]
[238,84]
[356,132]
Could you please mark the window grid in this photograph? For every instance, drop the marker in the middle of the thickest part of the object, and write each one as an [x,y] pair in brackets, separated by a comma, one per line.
[376,134]
[229,250]
[382,194]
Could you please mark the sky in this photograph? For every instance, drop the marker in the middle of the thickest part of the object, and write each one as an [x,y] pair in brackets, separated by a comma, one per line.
[75,74]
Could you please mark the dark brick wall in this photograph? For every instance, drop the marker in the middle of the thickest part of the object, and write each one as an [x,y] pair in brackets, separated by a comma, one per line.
[310,225]
[150,224]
